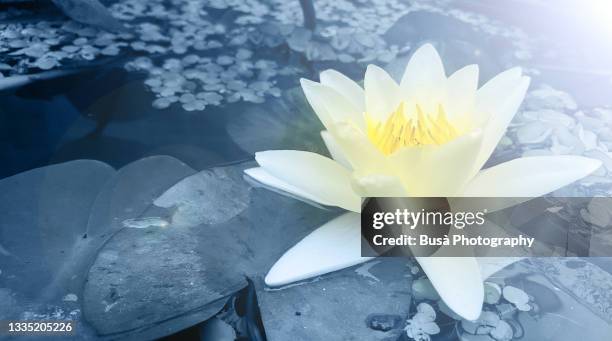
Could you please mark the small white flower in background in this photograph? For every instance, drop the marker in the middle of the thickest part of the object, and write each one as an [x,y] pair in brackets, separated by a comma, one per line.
[428,136]
[489,323]
[422,325]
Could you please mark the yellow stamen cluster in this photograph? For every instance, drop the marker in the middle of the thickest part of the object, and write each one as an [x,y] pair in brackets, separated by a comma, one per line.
[402,130]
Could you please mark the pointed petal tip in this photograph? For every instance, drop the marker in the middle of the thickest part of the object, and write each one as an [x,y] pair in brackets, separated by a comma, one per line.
[304,82]
[264,156]
[427,47]
[590,164]
[250,171]
[274,278]
[376,71]
[427,51]
[327,72]
[526,80]
[472,314]
[255,175]
[376,77]
[470,68]
[471,310]
[315,90]
[512,73]
[333,246]
[259,156]
[423,74]
[373,67]
[595,164]
[458,281]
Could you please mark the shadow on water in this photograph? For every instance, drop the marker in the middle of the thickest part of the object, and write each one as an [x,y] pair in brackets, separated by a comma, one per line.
[241,313]
[106,115]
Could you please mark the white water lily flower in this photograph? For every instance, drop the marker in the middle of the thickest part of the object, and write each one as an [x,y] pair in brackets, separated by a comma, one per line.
[429,136]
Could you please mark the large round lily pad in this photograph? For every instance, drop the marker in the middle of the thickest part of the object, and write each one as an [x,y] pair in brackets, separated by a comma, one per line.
[44,249]
[198,242]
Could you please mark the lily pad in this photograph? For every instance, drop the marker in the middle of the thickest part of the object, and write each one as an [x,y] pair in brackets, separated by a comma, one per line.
[422,289]
[203,198]
[45,248]
[149,282]
[319,309]
[130,192]
[493,292]
[502,331]
[515,296]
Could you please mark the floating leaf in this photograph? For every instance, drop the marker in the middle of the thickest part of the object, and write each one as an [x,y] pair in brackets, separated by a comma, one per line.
[225,60]
[422,289]
[36,50]
[506,310]
[523,307]
[299,39]
[161,103]
[470,327]
[515,296]
[112,50]
[489,318]
[492,292]
[502,331]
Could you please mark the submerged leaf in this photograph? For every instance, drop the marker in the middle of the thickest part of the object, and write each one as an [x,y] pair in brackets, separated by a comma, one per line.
[90,12]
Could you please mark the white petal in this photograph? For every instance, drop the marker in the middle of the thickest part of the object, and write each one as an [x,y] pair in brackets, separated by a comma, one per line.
[312,173]
[329,105]
[334,149]
[530,176]
[344,86]
[492,94]
[333,246]
[424,77]
[266,179]
[461,92]
[496,126]
[432,170]
[378,185]
[357,148]
[490,265]
[458,282]
[382,94]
